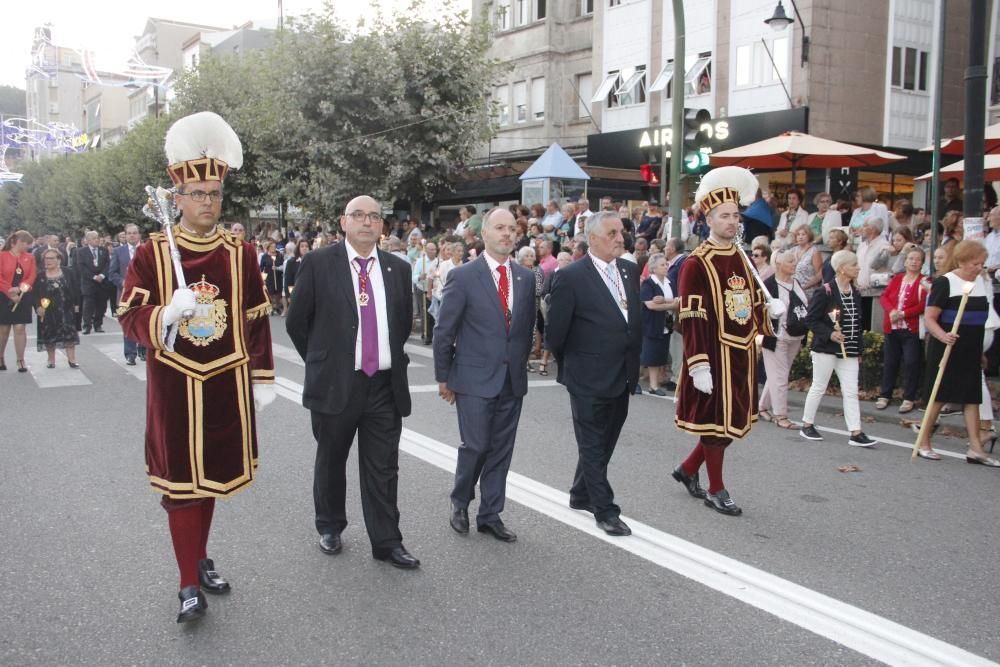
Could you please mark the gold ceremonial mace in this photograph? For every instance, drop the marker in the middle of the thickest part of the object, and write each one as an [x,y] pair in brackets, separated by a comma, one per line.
[966,290]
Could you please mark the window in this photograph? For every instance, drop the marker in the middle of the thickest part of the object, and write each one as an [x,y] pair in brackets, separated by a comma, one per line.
[503,105]
[744,65]
[503,14]
[631,89]
[610,81]
[584,89]
[538,98]
[586,7]
[539,10]
[520,102]
[521,8]
[779,68]
[614,3]
[664,80]
[909,68]
[698,80]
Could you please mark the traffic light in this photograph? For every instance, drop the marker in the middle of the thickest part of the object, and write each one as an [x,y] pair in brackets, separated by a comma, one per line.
[649,173]
[697,132]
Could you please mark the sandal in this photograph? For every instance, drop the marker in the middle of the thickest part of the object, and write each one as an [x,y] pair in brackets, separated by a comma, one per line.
[21,368]
[541,368]
[765,416]
[73,364]
[972,457]
[50,365]
[782,421]
[928,454]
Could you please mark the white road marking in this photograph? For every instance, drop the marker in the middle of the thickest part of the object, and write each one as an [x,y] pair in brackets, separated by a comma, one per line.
[51,378]
[864,632]
[292,355]
[116,353]
[419,349]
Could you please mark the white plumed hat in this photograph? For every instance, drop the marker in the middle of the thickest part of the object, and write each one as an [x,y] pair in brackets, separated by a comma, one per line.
[201,147]
[723,185]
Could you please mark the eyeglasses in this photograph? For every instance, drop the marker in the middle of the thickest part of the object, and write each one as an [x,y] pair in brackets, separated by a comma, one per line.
[359,216]
[756,254]
[199,195]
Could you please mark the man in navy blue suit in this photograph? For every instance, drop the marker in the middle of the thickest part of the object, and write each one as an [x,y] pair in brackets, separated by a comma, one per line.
[594,330]
[482,340]
[121,257]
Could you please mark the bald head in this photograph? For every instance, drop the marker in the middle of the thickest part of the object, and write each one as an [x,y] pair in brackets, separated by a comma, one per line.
[362,224]
[498,216]
[364,201]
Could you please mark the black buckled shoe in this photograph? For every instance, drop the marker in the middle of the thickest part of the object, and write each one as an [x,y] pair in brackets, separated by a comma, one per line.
[399,557]
[689,482]
[722,503]
[330,544]
[459,519]
[193,605]
[498,530]
[210,580]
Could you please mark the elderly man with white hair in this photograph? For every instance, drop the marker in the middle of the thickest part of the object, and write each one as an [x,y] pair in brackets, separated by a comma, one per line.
[871,255]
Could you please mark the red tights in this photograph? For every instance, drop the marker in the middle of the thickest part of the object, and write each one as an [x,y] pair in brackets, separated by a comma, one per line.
[190,522]
[711,451]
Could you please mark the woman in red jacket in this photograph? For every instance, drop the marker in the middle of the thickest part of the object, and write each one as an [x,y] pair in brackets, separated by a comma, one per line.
[903,302]
[17,276]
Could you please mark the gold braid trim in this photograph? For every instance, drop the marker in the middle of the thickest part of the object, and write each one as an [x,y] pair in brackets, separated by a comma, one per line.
[258,311]
[686,314]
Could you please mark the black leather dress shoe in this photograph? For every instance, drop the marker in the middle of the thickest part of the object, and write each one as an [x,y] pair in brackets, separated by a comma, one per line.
[498,530]
[86,331]
[210,580]
[722,503]
[193,605]
[98,330]
[460,519]
[399,557]
[577,505]
[689,482]
[130,361]
[330,544]
[614,526]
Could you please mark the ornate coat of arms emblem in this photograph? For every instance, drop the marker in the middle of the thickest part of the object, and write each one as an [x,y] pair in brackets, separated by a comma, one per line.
[209,321]
[739,303]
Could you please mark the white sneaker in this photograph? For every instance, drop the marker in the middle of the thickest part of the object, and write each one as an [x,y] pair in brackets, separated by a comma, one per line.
[882,403]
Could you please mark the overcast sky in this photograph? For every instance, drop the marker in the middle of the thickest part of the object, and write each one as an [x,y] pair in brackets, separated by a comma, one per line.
[109,27]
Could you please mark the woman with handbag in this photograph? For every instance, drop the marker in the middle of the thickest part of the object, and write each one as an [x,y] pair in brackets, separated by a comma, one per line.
[658,302]
[903,302]
[835,321]
[780,350]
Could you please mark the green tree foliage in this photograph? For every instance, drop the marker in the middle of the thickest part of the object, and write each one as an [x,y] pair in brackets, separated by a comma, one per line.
[323,115]
[12,101]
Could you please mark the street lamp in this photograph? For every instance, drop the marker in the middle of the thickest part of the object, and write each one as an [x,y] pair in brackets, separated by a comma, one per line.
[780,21]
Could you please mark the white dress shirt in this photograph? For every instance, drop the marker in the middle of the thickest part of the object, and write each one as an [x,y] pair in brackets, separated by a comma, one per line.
[493,264]
[381,313]
[613,287]
[992,242]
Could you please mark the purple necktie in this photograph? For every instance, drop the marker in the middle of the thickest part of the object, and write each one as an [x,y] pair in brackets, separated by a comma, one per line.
[369,323]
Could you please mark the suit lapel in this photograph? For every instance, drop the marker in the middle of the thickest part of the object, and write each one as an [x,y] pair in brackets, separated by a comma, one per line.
[602,287]
[392,294]
[486,280]
[340,275]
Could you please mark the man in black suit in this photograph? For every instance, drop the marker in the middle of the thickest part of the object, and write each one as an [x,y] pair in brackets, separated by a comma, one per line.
[349,320]
[594,331]
[482,339]
[92,265]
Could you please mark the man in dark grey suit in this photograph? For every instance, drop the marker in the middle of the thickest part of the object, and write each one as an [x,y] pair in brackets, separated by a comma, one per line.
[482,340]
[349,320]
[594,330]
[121,257]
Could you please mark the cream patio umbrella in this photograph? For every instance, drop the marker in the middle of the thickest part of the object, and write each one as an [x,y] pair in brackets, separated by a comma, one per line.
[797,150]
[991,169]
[956,145]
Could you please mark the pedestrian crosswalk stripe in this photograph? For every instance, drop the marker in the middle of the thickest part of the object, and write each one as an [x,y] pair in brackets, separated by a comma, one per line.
[116,353]
[850,626]
[50,378]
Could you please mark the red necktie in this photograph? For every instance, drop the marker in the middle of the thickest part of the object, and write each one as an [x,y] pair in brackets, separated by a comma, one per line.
[502,290]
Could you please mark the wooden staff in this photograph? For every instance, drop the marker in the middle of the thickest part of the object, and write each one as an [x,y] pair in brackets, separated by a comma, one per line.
[966,290]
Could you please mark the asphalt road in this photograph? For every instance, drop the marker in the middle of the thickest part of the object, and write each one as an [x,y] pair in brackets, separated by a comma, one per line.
[903,550]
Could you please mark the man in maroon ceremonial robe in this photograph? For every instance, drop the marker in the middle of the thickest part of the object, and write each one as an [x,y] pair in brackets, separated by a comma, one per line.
[207,337]
[722,311]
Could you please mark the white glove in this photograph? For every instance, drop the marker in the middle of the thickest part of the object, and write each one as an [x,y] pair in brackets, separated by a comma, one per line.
[775,308]
[263,396]
[183,300]
[702,377]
